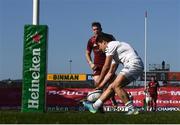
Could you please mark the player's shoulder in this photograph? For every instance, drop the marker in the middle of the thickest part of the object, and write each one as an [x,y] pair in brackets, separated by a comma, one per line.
[125,43]
[108,35]
[92,39]
[114,43]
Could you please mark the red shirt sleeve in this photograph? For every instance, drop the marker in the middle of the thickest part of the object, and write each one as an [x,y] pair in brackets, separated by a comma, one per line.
[89,46]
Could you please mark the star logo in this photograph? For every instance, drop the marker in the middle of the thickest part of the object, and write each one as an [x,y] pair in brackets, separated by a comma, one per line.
[36,38]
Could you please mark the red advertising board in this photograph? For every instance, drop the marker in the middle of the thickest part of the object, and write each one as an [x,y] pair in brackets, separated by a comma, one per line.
[65,96]
[167,96]
[11,97]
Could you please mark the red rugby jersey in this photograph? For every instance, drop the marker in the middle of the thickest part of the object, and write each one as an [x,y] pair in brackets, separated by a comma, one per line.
[99,56]
[153,85]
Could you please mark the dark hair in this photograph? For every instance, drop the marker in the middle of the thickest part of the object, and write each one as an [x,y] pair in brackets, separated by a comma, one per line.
[97,24]
[153,76]
[104,37]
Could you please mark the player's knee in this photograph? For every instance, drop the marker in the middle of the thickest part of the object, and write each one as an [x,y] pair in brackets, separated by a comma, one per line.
[115,86]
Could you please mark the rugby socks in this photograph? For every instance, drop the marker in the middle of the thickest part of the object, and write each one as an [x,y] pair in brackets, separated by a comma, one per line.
[97,104]
[129,105]
[113,101]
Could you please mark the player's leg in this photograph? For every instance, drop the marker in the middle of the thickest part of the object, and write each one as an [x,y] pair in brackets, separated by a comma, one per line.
[112,98]
[154,101]
[93,107]
[127,75]
[119,89]
[151,104]
[109,92]
[96,74]
[148,103]
[95,77]
[118,85]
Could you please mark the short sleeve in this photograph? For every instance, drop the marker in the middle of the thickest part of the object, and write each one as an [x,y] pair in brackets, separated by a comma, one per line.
[113,61]
[111,48]
[89,46]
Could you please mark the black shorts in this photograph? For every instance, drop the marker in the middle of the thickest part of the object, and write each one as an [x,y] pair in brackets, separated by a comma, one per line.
[153,96]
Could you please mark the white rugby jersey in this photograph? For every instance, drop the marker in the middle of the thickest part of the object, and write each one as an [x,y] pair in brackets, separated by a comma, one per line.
[122,53]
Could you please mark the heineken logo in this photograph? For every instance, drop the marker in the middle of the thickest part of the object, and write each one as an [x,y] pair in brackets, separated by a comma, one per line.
[33,102]
[34,68]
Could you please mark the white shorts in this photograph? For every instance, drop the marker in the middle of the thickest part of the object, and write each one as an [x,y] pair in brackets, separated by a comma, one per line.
[133,70]
[148,99]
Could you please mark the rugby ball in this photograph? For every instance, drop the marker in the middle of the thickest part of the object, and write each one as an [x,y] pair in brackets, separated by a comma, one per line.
[94,95]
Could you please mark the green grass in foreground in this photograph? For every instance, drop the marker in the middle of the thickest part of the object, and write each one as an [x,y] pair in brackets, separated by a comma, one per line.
[11,117]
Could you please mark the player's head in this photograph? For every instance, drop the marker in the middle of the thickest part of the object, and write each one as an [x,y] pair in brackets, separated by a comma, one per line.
[153,78]
[102,41]
[96,27]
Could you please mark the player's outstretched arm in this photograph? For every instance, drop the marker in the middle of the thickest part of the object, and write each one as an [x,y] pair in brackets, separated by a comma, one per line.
[109,77]
[105,69]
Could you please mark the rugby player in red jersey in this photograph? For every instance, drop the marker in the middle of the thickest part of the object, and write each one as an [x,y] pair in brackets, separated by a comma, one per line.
[97,63]
[152,90]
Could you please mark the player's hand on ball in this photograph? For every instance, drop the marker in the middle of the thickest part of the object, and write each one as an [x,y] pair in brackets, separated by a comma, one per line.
[99,88]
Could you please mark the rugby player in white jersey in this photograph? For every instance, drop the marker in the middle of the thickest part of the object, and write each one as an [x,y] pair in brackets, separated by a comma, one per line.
[117,53]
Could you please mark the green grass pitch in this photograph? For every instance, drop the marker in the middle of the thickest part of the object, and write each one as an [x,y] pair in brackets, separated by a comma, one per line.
[16,117]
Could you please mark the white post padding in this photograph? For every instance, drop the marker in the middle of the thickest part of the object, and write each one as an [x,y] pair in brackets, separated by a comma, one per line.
[145,46]
[35,12]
